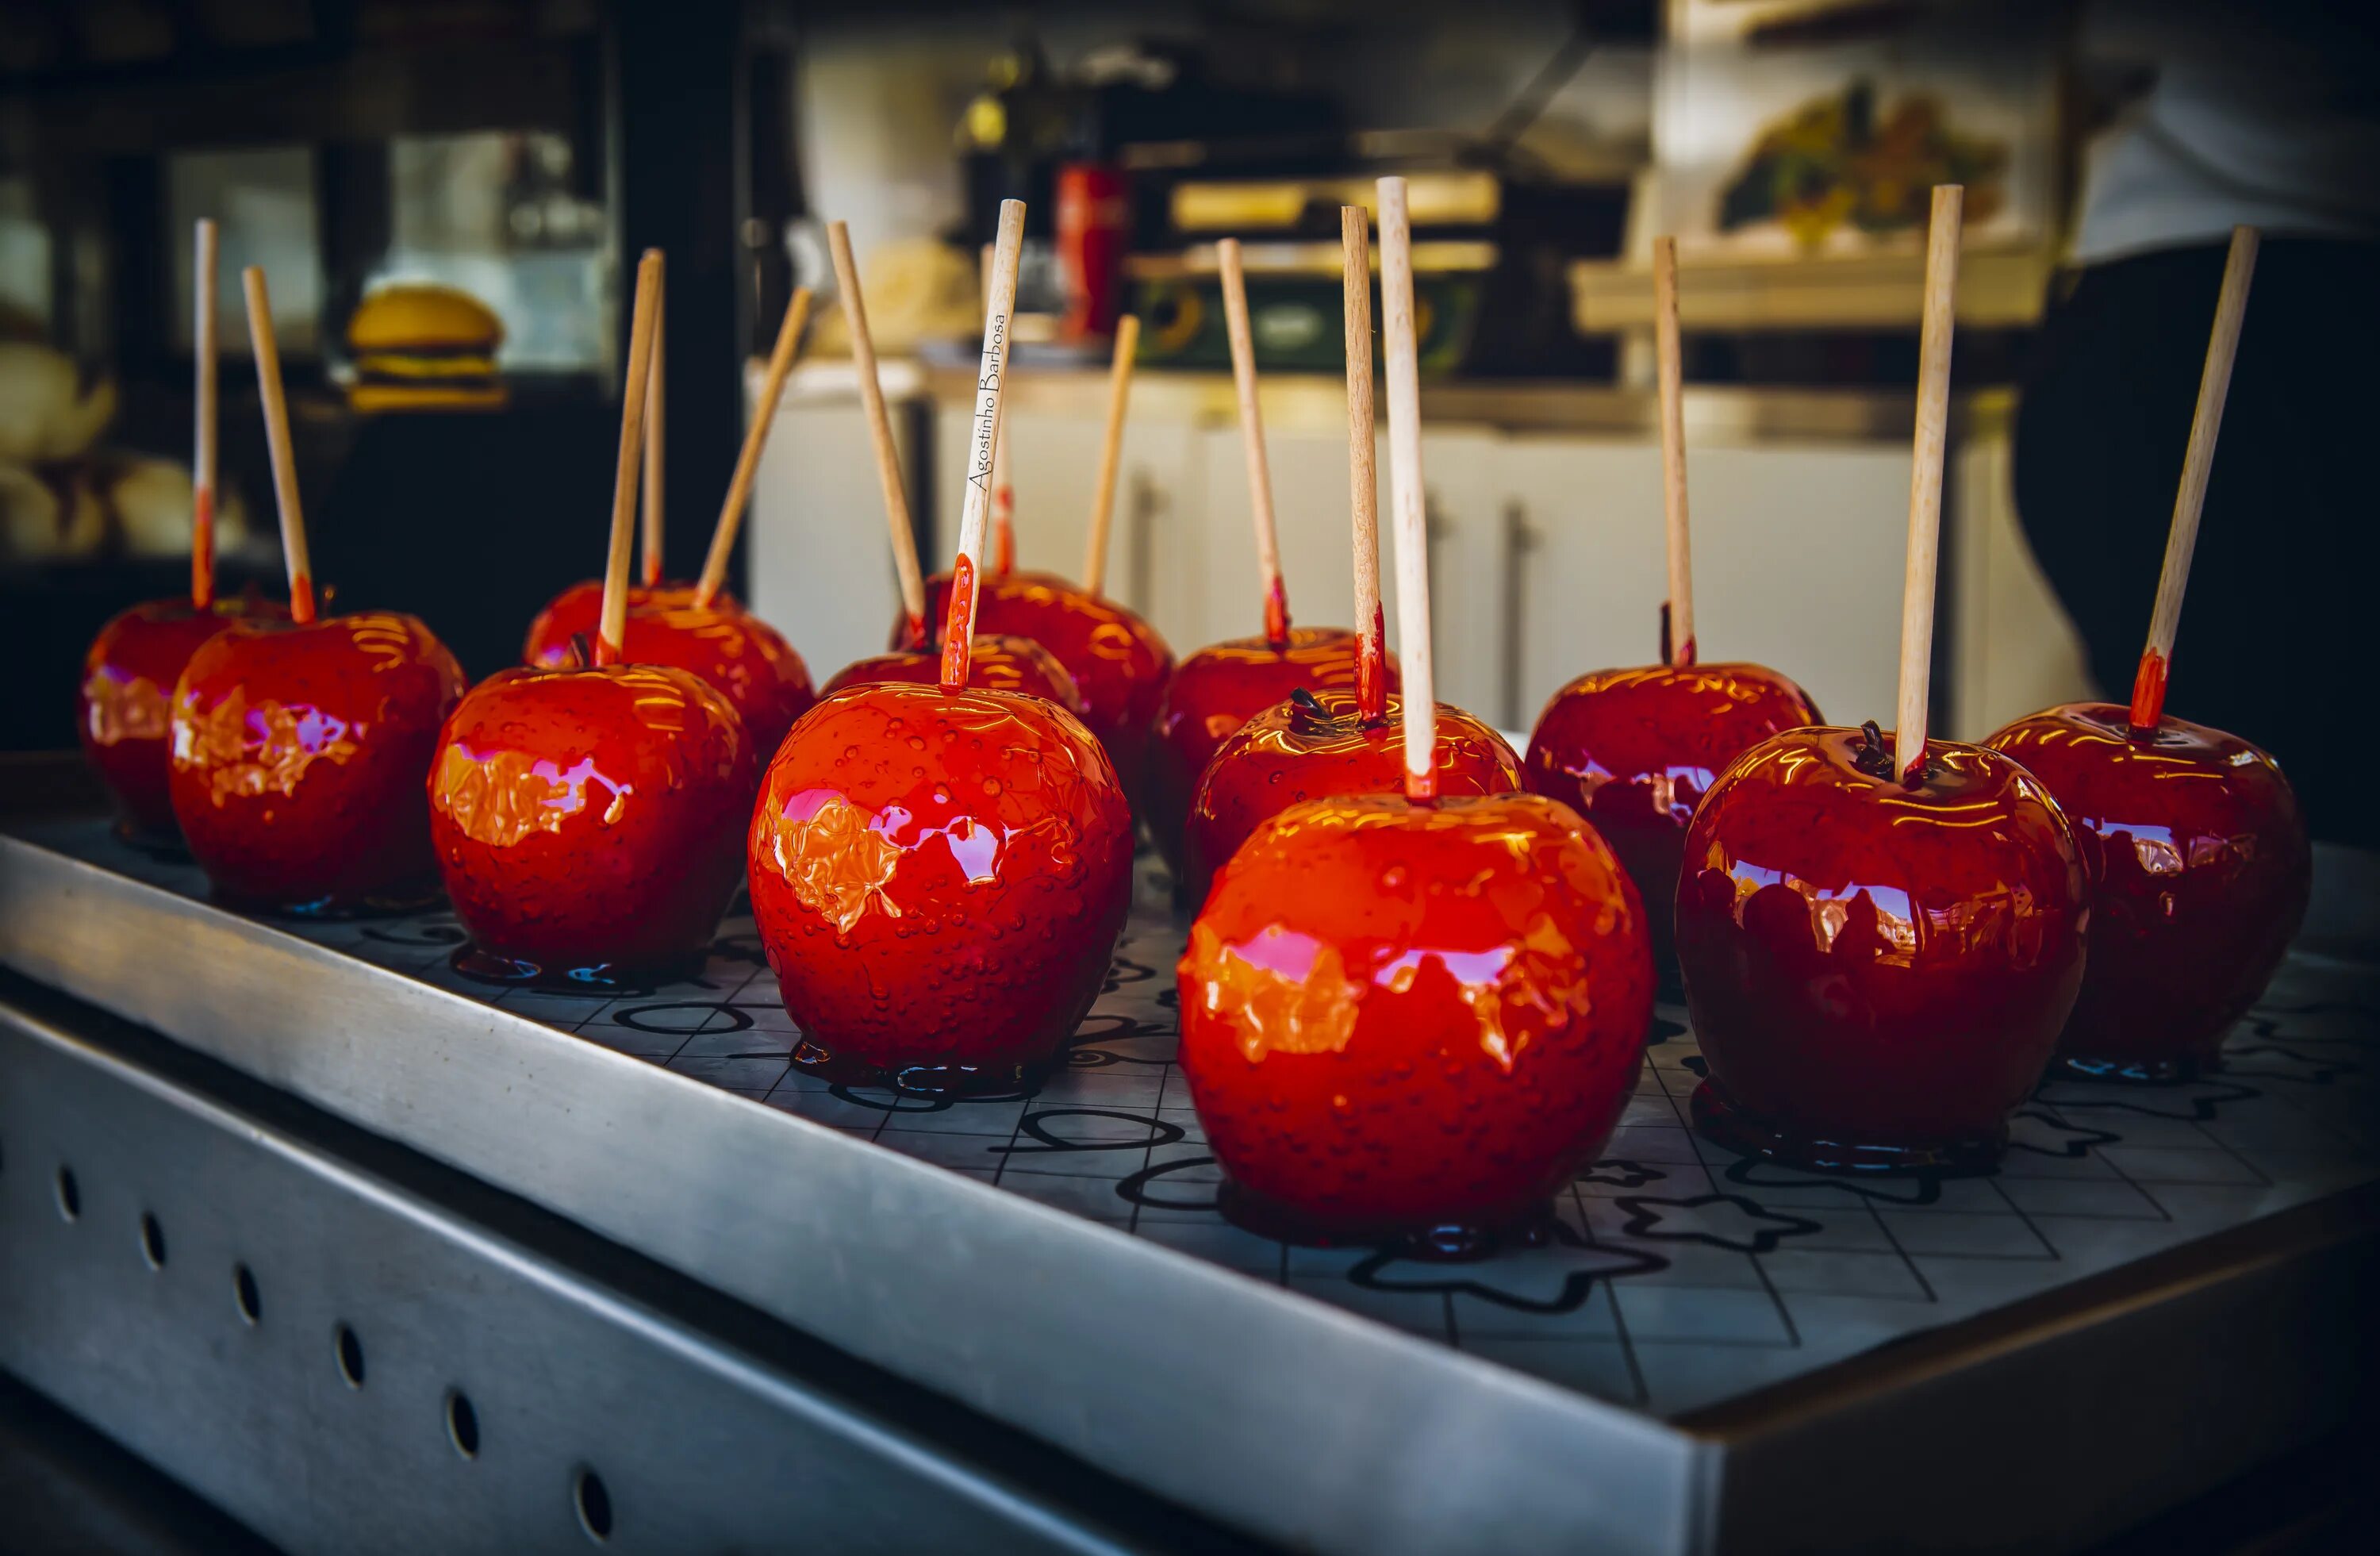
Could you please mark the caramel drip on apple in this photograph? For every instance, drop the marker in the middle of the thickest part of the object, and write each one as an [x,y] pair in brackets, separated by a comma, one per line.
[2197,464]
[992,376]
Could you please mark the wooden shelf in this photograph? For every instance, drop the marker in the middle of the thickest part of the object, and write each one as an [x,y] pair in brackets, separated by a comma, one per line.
[1997,289]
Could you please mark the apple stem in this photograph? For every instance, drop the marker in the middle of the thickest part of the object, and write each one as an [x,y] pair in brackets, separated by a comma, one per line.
[1943,227]
[1252,438]
[1095,547]
[203,463]
[1003,494]
[880,432]
[611,625]
[991,385]
[276,442]
[2197,464]
[756,438]
[1406,492]
[1678,626]
[1363,480]
[654,413]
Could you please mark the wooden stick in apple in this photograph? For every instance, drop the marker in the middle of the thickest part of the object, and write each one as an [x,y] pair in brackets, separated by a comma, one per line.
[1678,615]
[1004,492]
[2197,461]
[1942,232]
[202,462]
[611,626]
[1243,380]
[879,436]
[1363,480]
[983,437]
[655,416]
[756,438]
[1095,548]
[1405,493]
[276,442]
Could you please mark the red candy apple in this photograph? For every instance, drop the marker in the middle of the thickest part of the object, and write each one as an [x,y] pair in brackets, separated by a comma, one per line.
[300,758]
[1119,662]
[2198,868]
[1016,664]
[1877,967]
[589,823]
[1220,687]
[575,610]
[739,654]
[939,878]
[1314,745]
[1403,1019]
[1633,752]
[123,708]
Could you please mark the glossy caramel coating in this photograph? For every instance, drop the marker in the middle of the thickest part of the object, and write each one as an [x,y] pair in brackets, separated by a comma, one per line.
[1296,751]
[1119,662]
[1017,664]
[735,651]
[1876,971]
[123,708]
[301,759]
[591,819]
[939,880]
[2199,872]
[1634,751]
[1412,1020]
[579,609]
[1215,691]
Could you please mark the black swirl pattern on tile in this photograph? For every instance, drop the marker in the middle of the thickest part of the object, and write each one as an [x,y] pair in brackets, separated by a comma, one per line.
[2041,1132]
[1036,1125]
[741,947]
[635,1016]
[1137,1187]
[1124,970]
[1915,1188]
[1662,1030]
[1697,1063]
[1619,1172]
[2286,1062]
[2191,1101]
[430,933]
[1646,1217]
[1378,1271]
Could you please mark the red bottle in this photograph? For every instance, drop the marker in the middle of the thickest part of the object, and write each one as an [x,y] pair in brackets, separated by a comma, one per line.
[939,879]
[1218,689]
[589,823]
[2199,871]
[1017,664]
[1412,1020]
[1877,968]
[738,654]
[1119,662]
[1634,751]
[301,756]
[1314,745]
[123,708]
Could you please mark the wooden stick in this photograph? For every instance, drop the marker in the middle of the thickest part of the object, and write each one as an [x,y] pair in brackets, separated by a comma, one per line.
[611,627]
[1680,646]
[1363,482]
[655,416]
[1406,492]
[1244,378]
[203,463]
[2197,463]
[1094,548]
[756,438]
[983,437]
[880,435]
[276,441]
[1004,492]
[1942,231]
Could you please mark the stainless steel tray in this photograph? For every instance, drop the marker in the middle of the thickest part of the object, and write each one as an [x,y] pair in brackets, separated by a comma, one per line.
[1716,1345]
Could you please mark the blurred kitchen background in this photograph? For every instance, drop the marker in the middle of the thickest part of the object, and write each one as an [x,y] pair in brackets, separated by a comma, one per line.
[524,151]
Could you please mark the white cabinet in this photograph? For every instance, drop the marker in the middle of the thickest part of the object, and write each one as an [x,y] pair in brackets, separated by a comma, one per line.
[819,566]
